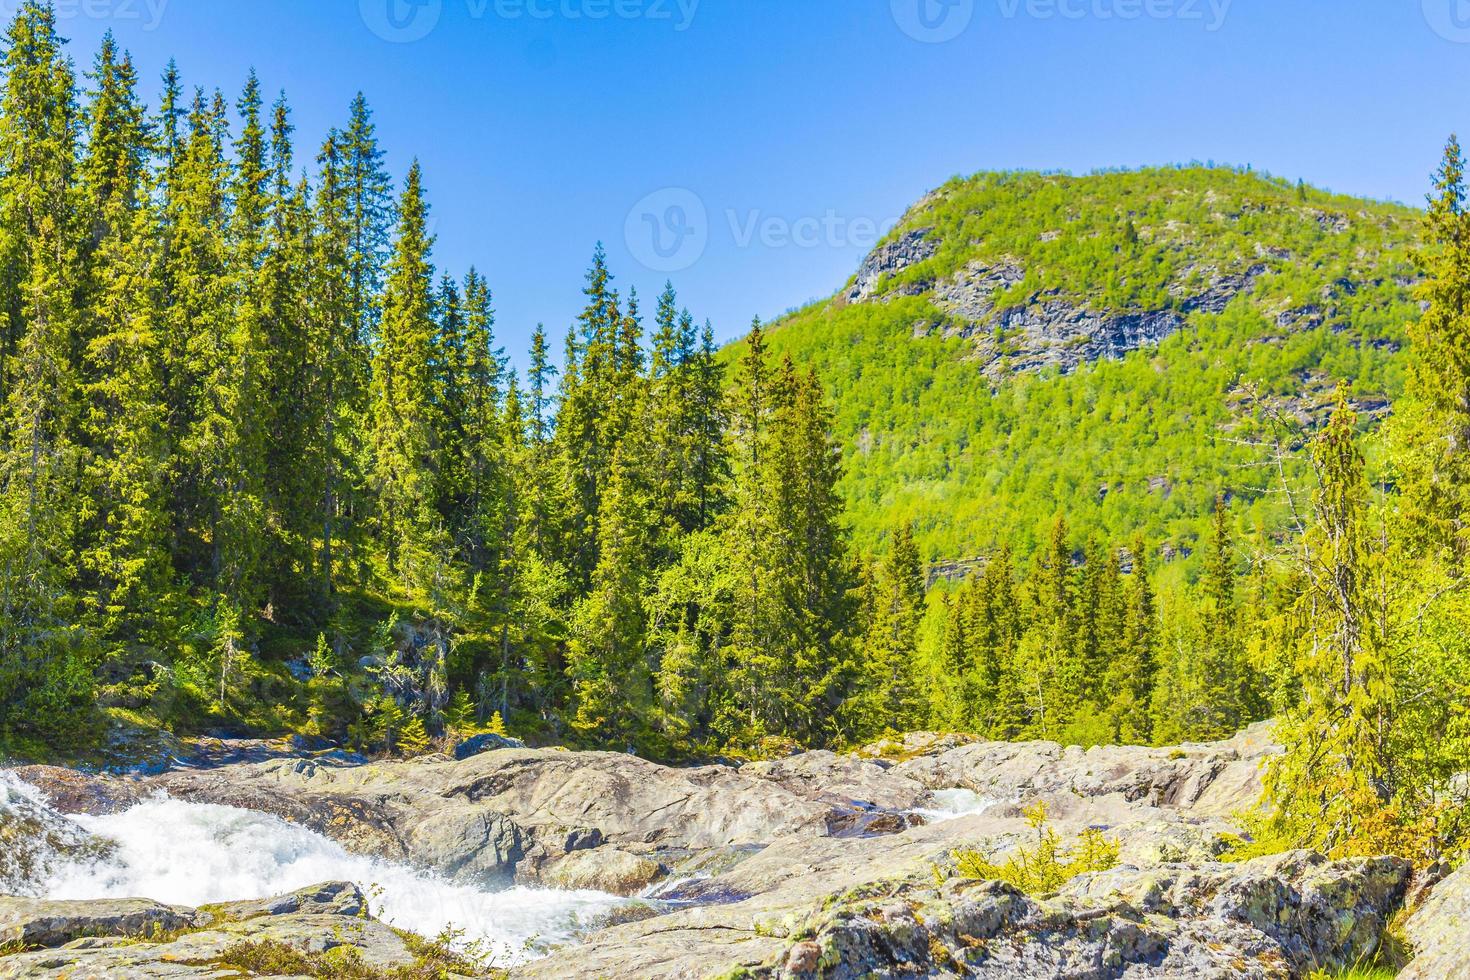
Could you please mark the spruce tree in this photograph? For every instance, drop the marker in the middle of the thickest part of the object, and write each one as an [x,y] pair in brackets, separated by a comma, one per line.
[888,668]
[368,194]
[608,669]
[40,459]
[124,547]
[339,372]
[403,412]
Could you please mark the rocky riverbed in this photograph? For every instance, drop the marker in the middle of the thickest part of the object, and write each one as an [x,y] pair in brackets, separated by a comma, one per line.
[568,865]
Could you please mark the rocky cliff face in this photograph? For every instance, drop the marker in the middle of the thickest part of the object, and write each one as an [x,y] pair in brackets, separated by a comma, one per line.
[1046,330]
[818,865]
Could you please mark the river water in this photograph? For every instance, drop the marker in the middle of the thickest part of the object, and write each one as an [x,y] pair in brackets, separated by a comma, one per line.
[196,854]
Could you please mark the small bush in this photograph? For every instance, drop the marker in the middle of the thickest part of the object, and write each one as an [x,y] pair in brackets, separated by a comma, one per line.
[1046,866]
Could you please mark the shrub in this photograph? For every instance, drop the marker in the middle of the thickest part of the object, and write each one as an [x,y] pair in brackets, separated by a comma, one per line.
[1047,865]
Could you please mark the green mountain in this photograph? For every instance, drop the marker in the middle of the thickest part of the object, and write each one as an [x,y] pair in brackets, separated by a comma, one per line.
[1025,344]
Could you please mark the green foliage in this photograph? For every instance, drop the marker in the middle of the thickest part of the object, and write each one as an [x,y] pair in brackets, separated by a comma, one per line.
[413,738]
[433,959]
[1375,640]
[246,418]
[496,726]
[1045,866]
[944,437]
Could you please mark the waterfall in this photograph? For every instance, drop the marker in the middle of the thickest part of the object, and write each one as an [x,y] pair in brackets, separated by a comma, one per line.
[196,854]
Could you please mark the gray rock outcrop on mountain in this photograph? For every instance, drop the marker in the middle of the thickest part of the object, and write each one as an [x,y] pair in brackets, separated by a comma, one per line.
[1048,330]
[885,260]
[1052,332]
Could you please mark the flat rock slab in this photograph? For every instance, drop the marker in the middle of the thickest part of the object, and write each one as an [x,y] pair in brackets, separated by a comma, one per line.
[134,938]
[37,922]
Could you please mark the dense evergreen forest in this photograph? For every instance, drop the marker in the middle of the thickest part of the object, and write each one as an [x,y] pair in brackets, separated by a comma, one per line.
[263,468]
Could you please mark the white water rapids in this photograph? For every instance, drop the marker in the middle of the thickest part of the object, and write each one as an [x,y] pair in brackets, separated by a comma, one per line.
[195,854]
[951,804]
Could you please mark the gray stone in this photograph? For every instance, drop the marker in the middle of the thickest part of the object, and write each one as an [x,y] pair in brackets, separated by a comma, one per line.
[131,938]
[1439,931]
[487,742]
[39,922]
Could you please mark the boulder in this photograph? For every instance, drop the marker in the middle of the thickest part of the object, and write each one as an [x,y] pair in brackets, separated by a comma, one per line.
[487,742]
[604,869]
[840,779]
[1439,931]
[1214,779]
[37,922]
[132,938]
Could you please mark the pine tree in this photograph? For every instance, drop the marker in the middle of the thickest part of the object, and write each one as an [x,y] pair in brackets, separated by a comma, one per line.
[589,416]
[612,682]
[482,526]
[231,436]
[1218,711]
[368,199]
[707,454]
[1139,664]
[339,371]
[788,552]
[293,405]
[403,414]
[668,408]
[892,699]
[124,547]
[1335,782]
[40,458]
[1432,427]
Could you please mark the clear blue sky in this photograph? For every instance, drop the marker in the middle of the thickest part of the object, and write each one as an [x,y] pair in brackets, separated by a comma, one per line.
[798,126]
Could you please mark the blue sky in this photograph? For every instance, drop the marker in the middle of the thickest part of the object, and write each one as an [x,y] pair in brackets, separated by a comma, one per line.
[751,150]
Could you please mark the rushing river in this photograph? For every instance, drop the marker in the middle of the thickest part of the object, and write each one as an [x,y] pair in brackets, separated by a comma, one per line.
[195,854]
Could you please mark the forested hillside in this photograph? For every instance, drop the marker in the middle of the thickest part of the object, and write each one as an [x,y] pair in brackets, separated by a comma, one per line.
[1023,345]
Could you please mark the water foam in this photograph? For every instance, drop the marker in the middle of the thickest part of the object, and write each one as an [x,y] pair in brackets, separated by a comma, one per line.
[951,804]
[196,854]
